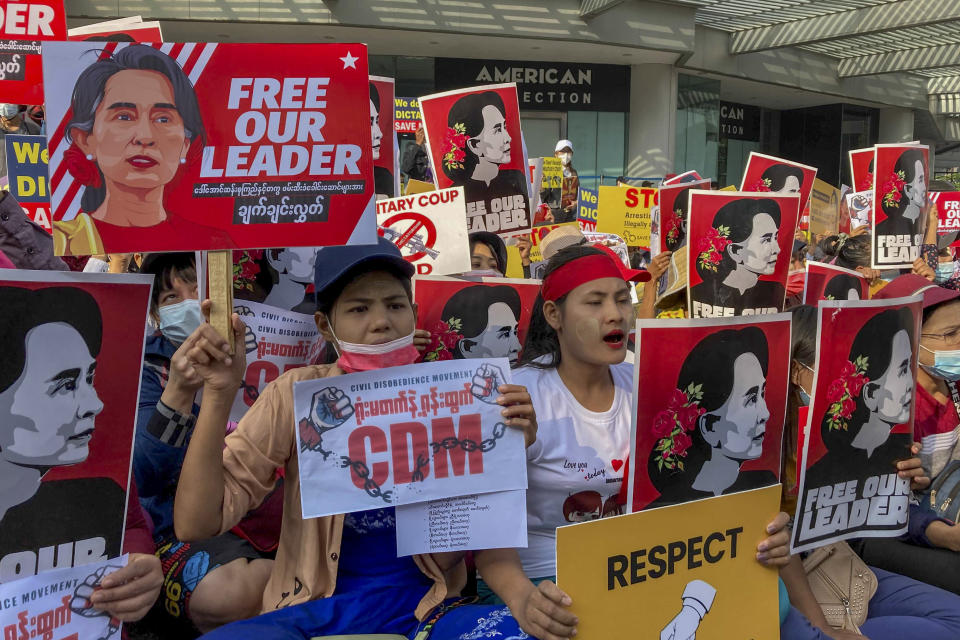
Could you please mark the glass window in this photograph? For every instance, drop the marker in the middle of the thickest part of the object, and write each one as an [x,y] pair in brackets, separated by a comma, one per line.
[698,125]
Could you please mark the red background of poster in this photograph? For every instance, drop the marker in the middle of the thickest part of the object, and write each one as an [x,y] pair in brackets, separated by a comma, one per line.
[758,163]
[385,86]
[948,211]
[135,31]
[884,162]
[705,204]
[661,352]
[19,25]
[30,89]
[819,274]
[123,308]
[347,116]
[860,173]
[837,330]
[668,204]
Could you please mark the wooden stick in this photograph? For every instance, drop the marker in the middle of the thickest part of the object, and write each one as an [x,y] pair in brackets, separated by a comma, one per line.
[220,292]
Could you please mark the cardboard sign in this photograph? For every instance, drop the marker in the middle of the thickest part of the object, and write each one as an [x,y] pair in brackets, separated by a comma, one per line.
[386,164]
[406,115]
[824,208]
[429,229]
[475,142]
[69,414]
[899,204]
[740,245]
[588,203]
[674,205]
[23,24]
[775,175]
[861,168]
[474,319]
[860,422]
[276,341]
[678,572]
[403,435]
[829,282]
[27,172]
[132,29]
[713,400]
[626,211]
[263,146]
[948,210]
[56,605]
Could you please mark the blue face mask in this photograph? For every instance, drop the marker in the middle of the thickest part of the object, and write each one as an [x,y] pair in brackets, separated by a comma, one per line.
[945,271]
[946,365]
[178,321]
[804,397]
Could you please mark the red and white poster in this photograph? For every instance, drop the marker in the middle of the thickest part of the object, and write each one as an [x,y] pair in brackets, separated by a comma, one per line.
[23,24]
[830,282]
[430,229]
[860,423]
[686,176]
[899,204]
[674,205]
[175,147]
[861,168]
[776,175]
[71,350]
[475,143]
[132,29]
[474,319]
[948,210]
[386,168]
[739,255]
[709,419]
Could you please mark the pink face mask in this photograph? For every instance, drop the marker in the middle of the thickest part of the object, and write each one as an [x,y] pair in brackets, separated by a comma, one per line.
[367,357]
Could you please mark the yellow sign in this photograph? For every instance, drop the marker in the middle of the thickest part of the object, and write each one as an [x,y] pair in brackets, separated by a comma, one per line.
[418,186]
[552,173]
[682,571]
[539,233]
[731,187]
[626,211]
[824,208]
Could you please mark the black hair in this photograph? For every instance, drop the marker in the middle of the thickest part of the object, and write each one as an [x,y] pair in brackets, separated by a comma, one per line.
[803,335]
[906,163]
[493,242]
[777,174]
[851,253]
[165,267]
[679,204]
[541,338]
[375,96]
[468,111]
[839,286]
[112,37]
[709,364]
[25,309]
[470,306]
[738,216]
[91,84]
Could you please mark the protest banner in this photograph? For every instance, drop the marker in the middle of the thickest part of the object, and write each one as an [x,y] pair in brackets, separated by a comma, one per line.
[626,211]
[71,346]
[674,205]
[406,115]
[249,158]
[679,572]
[860,208]
[403,435]
[587,208]
[23,25]
[686,176]
[56,605]
[276,341]
[475,142]
[824,206]
[27,172]
[830,282]
[429,229]
[551,184]
[714,401]
[899,204]
[474,319]
[535,175]
[386,163]
[861,168]
[860,422]
[948,210]
[740,252]
[775,175]
[132,29]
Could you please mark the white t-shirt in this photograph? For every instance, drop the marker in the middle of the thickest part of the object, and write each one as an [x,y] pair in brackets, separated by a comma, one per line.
[575,468]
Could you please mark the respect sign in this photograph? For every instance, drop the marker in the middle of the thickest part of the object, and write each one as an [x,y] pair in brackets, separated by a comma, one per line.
[27,162]
[406,115]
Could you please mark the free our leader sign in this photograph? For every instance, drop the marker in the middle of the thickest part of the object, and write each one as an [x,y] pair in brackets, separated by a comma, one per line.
[23,25]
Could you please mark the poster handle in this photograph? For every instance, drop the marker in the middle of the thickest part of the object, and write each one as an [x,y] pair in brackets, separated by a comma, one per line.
[220,291]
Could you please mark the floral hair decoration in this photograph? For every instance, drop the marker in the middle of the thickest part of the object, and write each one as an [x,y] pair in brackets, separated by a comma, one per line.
[711,247]
[842,392]
[676,226]
[84,170]
[454,142]
[867,183]
[245,268]
[444,337]
[763,184]
[673,425]
[893,187]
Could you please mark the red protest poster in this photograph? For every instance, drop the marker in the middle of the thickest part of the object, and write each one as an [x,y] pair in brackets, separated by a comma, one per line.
[71,349]
[23,24]
[709,420]
[861,168]
[474,141]
[776,175]
[175,147]
[686,176]
[386,171]
[474,319]
[948,210]
[122,30]
[860,422]
[899,199]
[740,252]
[674,205]
[829,282]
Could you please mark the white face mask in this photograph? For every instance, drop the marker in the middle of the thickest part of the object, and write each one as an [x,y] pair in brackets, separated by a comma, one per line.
[178,321]
[565,158]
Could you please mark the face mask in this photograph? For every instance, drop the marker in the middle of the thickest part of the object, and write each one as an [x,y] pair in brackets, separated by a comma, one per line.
[565,158]
[482,273]
[946,365]
[178,321]
[367,357]
[945,271]
[804,396]
[8,110]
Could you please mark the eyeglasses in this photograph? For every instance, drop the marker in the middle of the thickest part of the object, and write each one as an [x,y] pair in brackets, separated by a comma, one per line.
[953,335]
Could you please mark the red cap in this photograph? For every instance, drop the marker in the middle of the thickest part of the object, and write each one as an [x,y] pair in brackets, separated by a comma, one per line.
[911,284]
[630,275]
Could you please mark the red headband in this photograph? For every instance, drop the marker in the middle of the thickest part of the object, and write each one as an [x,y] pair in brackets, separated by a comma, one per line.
[577,272]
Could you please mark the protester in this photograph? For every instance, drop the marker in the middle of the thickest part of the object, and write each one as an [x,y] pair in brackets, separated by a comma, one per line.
[488,254]
[570,189]
[416,160]
[23,241]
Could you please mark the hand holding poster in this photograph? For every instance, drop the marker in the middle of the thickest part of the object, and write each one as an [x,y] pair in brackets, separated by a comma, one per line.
[27,171]
[404,435]
[474,141]
[740,245]
[830,282]
[687,571]
[899,204]
[429,229]
[860,422]
[674,206]
[709,420]
[386,164]
[626,212]
[252,146]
